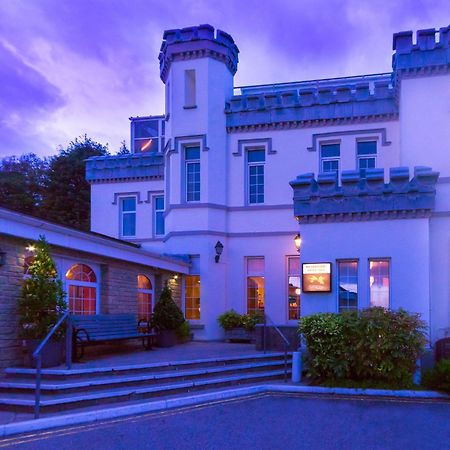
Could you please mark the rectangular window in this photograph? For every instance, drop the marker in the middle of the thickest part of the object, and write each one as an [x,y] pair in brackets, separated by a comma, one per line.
[329,157]
[294,287]
[128,216]
[348,285]
[366,154]
[146,135]
[192,297]
[192,169]
[379,282]
[159,215]
[255,175]
[255,285]
[189,88]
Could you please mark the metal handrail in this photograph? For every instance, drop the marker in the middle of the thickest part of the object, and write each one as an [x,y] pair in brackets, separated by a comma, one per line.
[37,355]
[286,341]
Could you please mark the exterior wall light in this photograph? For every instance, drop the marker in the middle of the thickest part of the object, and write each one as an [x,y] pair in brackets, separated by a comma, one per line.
[298,242]
[31,248]
[2,258]
[219,250]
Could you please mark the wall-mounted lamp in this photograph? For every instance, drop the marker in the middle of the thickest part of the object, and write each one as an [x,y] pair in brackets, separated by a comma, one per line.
[31,248]
[298,242]
[219,250]
[2,258]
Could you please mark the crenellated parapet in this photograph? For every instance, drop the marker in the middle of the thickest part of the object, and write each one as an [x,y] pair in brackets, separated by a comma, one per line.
[197,42]
[133,167]
[431,53]
[332,102]
[358,198]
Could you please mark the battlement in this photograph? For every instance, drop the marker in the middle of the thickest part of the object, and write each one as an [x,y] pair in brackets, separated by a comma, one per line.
[431,50]
[323,102]
[197,42]
[365,198]
[136,166]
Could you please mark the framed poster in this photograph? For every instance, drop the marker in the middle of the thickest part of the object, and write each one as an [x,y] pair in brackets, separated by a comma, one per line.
[316,277]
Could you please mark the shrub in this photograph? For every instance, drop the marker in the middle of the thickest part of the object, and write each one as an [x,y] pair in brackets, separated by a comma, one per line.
[229,320]
[166,314]
[42,298]
[374,344]
[184,330]
[249,321]
[439,377]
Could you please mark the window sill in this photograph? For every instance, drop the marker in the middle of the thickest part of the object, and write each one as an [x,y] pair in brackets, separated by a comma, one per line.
[196,326]
[190,107]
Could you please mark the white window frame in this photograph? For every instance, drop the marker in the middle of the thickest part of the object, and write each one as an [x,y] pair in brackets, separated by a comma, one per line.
[155,211]
[122,213]
[389,260]
[255,164]
[358,300]
[329,158]
[187,163]
[363,157]
[288,275]
[160,136]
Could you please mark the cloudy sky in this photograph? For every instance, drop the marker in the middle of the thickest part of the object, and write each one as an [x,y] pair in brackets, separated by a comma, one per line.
[70,67]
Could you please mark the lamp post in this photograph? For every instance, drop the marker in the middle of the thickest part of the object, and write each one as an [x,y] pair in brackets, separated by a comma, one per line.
[219,249]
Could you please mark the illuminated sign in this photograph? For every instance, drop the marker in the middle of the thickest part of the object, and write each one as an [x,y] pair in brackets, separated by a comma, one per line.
[316,277]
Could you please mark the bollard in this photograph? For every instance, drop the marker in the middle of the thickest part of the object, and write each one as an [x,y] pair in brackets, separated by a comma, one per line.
[296,367]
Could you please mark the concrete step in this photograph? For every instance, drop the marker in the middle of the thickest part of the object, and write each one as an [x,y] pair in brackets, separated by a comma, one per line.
[111,380]
[67,400]
[82,370]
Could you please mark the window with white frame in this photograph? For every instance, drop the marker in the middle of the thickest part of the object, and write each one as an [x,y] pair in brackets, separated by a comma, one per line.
[379,281]
[192,173]
[255,285]
[189,88]
[82,289]
[329,157]
[147,134]
[293,269]
[158,214]
[347,285]
[128,216]
[366,153]
[255,175]
[144,297]
[192,297]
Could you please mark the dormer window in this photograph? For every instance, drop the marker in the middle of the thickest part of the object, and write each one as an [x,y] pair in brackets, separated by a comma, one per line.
[147,134]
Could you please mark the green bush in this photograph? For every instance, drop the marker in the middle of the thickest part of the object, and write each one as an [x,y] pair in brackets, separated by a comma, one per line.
[439,377]
[184,330]
[166,314]
[371,345]
[231,319]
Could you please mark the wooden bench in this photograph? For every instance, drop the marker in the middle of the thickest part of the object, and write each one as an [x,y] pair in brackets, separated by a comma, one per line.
[102,328]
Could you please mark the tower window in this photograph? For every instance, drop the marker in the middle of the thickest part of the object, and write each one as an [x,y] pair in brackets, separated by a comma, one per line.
[189,88]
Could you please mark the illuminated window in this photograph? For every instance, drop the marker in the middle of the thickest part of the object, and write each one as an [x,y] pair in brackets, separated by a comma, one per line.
[128,216]
[329,157]
[192,297]
[366,153]
[255,175]
[147,135]
[144,297]
[294,287]
[379,280]
[82,289]
[255,285]
[348,285]
[192,172]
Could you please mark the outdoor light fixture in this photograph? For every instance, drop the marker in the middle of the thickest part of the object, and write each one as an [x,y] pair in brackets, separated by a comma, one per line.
[2,258]
[298,242]
[31,248]
[219,250]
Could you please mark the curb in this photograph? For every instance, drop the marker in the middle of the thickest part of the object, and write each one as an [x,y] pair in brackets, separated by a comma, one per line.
[162,405]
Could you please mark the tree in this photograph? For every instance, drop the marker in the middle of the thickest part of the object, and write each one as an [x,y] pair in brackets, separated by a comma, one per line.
[123,150]
[67,193]
[42,299]
[22,182]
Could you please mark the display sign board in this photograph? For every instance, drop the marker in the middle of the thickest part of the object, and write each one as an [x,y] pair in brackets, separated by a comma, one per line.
[316,277]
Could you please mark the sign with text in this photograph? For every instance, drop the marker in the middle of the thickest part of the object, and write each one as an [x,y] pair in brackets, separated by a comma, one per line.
[316,277]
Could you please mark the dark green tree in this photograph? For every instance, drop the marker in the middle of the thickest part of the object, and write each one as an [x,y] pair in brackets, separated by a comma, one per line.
[42,298]
[22,182]
[67,193]
[166,314]
[123,150]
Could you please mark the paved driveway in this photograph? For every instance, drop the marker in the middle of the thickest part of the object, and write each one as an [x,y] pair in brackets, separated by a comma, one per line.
[264,422]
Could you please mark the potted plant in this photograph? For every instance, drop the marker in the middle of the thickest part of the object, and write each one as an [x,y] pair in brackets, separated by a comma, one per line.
[238,327]
[40,305]
[167,318]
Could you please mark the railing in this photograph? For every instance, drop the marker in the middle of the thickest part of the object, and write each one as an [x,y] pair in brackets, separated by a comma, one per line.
[285,340]
[37,355]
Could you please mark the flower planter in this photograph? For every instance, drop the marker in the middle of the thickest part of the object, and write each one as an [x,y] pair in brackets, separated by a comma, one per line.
[240,334]
[167,338]
[51,353]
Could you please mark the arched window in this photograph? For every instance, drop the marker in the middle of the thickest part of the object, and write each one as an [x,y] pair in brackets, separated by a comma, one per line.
[82,289]
[144,297]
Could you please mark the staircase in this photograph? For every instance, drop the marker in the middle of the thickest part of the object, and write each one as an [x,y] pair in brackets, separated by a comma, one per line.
[63,389]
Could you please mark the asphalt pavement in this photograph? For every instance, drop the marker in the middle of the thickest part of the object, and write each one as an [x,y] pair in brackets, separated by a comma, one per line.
[268,421]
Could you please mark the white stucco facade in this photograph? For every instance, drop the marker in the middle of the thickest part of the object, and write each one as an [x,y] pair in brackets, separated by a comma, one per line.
[405,115]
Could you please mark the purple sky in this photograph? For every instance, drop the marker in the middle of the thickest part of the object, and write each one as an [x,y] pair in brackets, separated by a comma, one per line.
[69,67]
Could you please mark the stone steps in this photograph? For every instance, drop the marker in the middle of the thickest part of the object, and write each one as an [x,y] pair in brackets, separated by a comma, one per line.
[96,386]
